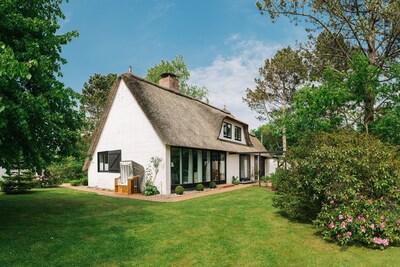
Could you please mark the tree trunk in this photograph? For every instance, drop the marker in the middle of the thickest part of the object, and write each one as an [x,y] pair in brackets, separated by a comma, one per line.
[284,102]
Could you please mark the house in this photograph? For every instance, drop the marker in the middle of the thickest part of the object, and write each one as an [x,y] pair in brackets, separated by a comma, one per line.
[197,142]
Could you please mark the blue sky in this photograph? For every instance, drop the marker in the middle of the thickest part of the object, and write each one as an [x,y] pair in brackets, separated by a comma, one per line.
[223,42]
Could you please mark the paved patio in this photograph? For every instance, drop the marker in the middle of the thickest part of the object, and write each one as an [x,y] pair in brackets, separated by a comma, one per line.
[162,198]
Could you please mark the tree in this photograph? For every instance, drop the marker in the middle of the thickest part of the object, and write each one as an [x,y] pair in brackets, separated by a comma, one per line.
[373,27]
[271,139]
[94,96]
[336,103]
[39,119]
[279,79]
[178,67]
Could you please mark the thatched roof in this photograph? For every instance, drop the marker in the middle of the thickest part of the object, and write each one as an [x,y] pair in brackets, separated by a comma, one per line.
[179,120]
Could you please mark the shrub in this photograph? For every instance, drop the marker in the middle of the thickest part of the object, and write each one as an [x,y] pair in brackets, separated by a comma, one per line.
[69,168]
[199,187]
[76,182]
[348,183]
[47,181]
[277,178]
[84,181]
[150,189]
[179,190]
[235,180]
[17,184]
[213,185]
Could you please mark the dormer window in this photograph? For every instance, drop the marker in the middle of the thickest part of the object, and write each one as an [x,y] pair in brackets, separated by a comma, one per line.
[238,133]
[227,130]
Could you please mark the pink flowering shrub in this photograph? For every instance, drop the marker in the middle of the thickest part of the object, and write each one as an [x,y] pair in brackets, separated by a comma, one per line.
[351,182]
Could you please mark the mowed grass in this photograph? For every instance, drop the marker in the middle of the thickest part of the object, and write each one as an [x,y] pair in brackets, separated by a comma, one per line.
[64,227]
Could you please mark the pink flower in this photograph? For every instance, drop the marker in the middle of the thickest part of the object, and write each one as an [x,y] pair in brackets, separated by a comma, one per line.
[362,219]
[381,225]
[329,192]
[348,233]
[343,225]
[338,236]
[397,190]
[372,225]
[362,229]
[382,217]
[332,201]
[380,241]
[331,225]
[398,220]
[349,219]
[340,216]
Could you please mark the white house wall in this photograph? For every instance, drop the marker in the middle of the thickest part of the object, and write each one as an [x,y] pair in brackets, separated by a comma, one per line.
[270,166]
[128,129]
[232,166]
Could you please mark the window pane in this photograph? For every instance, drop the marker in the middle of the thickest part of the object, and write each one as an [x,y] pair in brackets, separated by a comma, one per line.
[214,166]
[222,166]
[227,130]
[175,165]
[206,166]
[244,167]
[197,169]
[185,165]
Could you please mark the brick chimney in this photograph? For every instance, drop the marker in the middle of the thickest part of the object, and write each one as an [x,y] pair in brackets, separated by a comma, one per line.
[170,81]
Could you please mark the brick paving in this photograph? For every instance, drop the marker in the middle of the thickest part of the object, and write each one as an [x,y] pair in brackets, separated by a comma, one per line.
[161,198]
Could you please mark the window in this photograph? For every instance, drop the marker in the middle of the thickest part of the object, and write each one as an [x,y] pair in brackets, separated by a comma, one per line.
[193,166]
[227,130]
[102,161]
[108,161]
[238,133]
[244,168]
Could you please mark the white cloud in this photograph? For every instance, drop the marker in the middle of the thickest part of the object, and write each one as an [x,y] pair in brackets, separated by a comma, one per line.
[227,78]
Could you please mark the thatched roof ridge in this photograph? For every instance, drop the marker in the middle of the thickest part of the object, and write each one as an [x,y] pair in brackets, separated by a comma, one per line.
[179,120]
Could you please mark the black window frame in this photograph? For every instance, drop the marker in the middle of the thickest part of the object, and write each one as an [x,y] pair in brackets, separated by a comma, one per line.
[203,181]
[227,129]
[104,155]
[238,133]
[113,159]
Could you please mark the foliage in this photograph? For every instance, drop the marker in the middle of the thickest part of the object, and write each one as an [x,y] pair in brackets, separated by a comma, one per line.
[178,67]
[94,95]
[17,184]
[179,190]
[277,178]
[199,187]
[79,182]
[46,181]
[66,169]
[348,183]
[85,181]
[270,136]
[235,180]
[150,189]
[339,102]
[76,182]
[38,118]
[369,27]
[212,185]
[279,79]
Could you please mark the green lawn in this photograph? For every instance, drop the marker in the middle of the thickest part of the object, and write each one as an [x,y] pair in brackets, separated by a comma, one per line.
[64,227]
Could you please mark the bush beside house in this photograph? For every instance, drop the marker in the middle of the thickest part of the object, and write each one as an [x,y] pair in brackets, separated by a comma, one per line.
[348,184]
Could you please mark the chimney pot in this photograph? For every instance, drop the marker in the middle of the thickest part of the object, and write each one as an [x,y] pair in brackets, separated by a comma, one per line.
[170,81]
